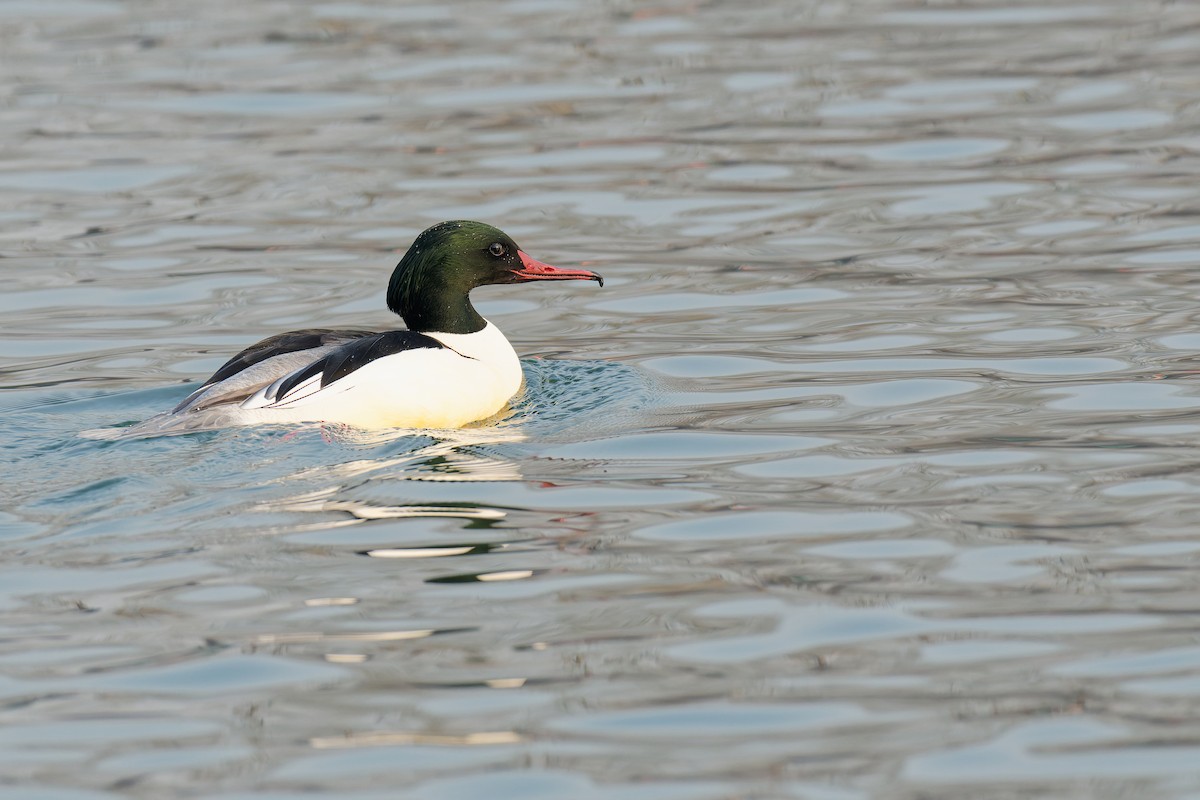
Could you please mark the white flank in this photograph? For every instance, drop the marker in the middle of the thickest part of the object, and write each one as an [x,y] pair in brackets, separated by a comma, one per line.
[426,388]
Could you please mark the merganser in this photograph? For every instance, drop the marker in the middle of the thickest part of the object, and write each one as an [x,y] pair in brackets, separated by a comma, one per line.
[450,367]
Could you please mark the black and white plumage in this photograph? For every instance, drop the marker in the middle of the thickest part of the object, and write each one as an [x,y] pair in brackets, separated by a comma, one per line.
[451,366]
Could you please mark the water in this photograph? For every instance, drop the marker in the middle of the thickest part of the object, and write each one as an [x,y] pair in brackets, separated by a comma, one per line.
[869,473]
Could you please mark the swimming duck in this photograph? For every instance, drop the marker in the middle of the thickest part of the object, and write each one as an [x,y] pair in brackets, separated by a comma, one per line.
[450,367]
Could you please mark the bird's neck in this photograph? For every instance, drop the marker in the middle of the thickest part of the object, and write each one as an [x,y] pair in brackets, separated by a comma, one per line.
[430,297]
[441,310]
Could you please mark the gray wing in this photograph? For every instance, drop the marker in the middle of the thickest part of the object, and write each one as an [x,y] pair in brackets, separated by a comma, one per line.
[263,363]
[243,384]
[215,405]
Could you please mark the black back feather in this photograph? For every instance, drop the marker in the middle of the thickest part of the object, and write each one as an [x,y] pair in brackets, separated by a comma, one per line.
[280,344]
[355,354]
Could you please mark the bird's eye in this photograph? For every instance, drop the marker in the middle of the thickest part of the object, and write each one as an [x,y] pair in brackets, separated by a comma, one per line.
[497,249]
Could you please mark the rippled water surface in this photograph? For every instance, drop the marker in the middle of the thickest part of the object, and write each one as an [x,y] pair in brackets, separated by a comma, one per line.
[871,471]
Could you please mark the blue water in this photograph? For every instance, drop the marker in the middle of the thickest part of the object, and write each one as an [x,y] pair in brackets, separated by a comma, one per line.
[868,473]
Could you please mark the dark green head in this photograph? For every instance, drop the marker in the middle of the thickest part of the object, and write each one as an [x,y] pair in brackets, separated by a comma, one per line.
[429,286]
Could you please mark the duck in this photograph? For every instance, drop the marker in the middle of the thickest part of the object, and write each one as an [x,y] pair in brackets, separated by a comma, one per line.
[450,367]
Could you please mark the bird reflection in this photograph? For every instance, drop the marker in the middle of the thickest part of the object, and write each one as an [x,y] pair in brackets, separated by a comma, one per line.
[442,551]
[455,456]
[364,510]
[488,577]
[384,738]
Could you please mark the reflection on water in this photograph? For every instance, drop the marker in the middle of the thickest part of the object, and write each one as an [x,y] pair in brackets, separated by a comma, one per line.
[871,472]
